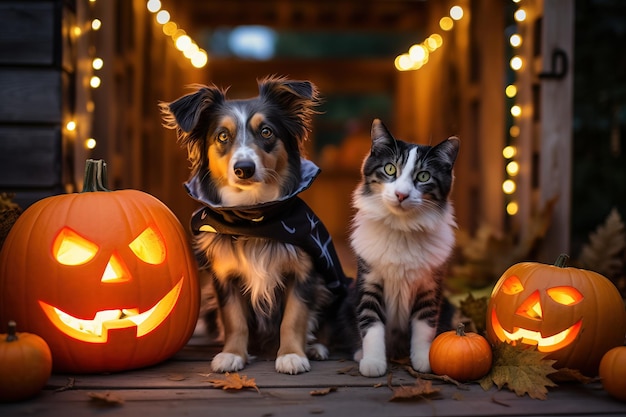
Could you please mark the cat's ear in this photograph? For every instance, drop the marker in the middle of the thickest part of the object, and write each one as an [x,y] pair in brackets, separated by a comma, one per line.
[380,134]
[448,149]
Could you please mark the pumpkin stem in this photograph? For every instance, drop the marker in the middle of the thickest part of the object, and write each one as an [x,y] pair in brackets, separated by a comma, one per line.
[12,334]
[561,261]
[460,329]
[95,176]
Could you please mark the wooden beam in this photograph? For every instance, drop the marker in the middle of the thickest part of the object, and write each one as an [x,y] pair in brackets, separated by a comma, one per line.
[555,164]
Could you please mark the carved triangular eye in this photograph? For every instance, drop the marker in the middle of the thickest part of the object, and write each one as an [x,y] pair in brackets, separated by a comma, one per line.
[70,248]
[149,246]
[512,285]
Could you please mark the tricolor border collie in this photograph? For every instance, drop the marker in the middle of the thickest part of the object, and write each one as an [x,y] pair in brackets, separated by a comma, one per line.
[272,263]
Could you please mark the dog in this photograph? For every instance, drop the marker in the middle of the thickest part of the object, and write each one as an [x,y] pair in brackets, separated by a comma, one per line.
[272,264]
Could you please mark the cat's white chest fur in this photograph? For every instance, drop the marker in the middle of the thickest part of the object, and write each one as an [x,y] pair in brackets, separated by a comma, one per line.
[401,254]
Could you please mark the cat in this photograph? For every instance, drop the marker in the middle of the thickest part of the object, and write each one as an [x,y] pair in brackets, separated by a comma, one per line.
[403,234]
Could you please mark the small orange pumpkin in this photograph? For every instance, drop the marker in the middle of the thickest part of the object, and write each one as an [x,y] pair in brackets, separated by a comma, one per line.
[573,315]
[613,372]
[459,355]
[107,278]
[25,364]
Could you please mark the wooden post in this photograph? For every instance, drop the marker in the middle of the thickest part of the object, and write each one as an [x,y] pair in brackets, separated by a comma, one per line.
[555,164]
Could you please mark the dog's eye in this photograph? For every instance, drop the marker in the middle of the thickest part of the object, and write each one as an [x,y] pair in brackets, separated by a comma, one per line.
[390,169]
[267,133]
[223,137]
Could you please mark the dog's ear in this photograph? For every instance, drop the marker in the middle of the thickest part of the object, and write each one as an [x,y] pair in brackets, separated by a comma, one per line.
[184,112]
[297,99]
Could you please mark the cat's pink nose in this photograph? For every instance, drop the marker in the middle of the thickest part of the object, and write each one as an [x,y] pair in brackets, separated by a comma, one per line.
[401,196]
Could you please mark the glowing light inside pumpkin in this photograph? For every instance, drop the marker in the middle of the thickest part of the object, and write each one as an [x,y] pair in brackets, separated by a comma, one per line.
[70,248]
[115,271]
[96,330]
[512,285]
[565,295]
[149,247]
[530,337]
[531,307]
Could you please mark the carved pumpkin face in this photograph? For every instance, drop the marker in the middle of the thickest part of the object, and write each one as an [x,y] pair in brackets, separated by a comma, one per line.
[571,314]
[106,278]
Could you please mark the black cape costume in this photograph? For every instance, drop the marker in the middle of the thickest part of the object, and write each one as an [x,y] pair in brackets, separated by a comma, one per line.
[288,220]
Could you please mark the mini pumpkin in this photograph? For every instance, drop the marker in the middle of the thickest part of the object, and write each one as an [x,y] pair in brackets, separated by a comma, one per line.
[25,364]
[108,278]
[613,372]
[460,355]
[573,315]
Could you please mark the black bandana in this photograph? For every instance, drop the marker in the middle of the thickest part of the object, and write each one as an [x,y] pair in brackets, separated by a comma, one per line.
[289,220]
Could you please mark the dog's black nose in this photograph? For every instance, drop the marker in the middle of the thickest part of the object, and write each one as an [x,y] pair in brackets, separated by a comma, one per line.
[244,169]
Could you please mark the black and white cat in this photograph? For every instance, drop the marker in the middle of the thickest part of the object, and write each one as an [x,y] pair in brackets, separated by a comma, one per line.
[403,235]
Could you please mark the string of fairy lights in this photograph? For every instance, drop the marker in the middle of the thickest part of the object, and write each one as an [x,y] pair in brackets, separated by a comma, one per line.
[183,42]
[90,78]
[418,54]
[510,151]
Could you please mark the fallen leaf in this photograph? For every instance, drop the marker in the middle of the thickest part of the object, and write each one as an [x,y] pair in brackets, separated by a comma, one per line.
[571,375]
[323,391]
[69,385]
[234,382]
[523,370]
[105,398]
[176,377]
[420,391]
[349,370]
[457,396]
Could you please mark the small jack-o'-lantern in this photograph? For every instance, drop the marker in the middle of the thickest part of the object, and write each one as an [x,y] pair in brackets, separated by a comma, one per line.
[107,278]
[573,315]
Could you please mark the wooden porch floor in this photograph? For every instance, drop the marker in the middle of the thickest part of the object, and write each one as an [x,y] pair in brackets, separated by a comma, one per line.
[180,387]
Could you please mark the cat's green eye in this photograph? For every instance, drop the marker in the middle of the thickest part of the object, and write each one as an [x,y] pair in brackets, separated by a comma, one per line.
[423,176]
[390,169]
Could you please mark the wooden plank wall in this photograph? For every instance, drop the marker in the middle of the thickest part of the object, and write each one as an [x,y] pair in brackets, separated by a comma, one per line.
[36,80]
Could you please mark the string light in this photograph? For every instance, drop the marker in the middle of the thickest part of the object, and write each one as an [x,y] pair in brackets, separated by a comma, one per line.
[516,63]
[456,12]
[90,143]
[97,63]
[183,42]
[509,186]
[512,167]
[418,54]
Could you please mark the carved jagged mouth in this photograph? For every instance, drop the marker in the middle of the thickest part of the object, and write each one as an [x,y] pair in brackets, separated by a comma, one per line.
[97,329]
[530,337]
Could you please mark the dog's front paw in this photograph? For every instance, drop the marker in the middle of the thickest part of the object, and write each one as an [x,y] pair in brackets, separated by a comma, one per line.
[227,362]
[420,361]
[292,364]
[372,367]
[317,352]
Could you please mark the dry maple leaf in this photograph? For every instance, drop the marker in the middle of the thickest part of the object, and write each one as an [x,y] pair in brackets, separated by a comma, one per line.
[234,382]
[523,370]
[323,391]
[105,398]
[421,390]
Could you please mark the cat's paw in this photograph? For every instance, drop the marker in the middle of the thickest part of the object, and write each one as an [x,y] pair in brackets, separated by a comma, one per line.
[358,355]
[372,367]
[317,352]
[227,362]
[292,364]
[420,361]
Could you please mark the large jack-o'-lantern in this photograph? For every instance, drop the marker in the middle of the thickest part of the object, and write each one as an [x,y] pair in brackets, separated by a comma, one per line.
[107,278]
[573,315]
